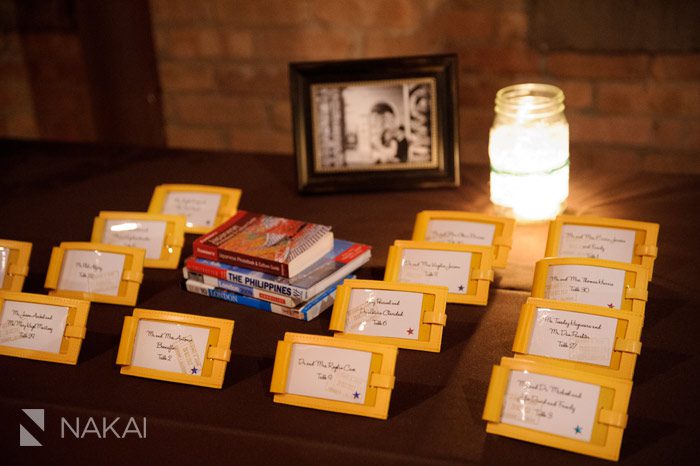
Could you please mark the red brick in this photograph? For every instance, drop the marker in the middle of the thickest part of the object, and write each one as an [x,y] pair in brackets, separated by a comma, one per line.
[461,25]
[479,90]
[678,162]
[21,124]
[178,76]
[605,159]
[260,140]
[676,99]
[302,44]
[206,42]
[261,12]
[631,131]
[194,138]
[52,46]
[386,44]
[404,15]
[677,134]
[474,152]
[217,110]
[623,98]
[474,124]
[578,65]
[686,66]
[281,115]
[181,11]
[499,60]
[577,94]
[249,79]
[511,27]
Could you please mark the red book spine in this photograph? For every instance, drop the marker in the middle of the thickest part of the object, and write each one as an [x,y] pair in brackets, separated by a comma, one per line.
[205,269]
[253,263]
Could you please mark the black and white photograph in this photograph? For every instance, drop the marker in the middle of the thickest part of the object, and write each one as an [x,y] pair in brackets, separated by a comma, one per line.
[374,125]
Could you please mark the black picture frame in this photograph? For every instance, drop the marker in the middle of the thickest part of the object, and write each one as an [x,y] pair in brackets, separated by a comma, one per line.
[350,117]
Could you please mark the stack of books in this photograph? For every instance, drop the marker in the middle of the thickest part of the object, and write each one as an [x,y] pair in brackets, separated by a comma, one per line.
[284,266]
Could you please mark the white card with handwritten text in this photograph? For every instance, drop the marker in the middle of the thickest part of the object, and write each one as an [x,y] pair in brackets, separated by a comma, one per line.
[573,336]
[4,259]
[199,208]
[599,286]
[170,347]
[32,326]
[326,372]
[91,272]
[384,313]
[613,244]
[442,268]
[460,232]
[551,404]
[144,234]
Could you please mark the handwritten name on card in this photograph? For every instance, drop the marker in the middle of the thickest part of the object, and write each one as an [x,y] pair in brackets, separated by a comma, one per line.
[200,209]
[599,286]
[4,259]
[431,267]
[461,232]
[383,313]
[330,373]
[32,326]
[170,347]
[91,272]
[573,336]
[613,244]
[148,235]
[551,404]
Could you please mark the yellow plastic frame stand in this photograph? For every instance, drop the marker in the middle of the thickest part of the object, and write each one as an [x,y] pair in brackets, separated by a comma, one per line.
[625,347]
[502,237]
[646,236]
[634,293]
[17,264]
[432,318]
[227,206]
[73,332]
[380,379]
[480,270]
[130,281]
[214,363]
[173,239]
[610,416]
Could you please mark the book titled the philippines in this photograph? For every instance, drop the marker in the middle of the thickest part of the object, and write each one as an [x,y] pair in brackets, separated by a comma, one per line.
[343,259]
[274,245]
[306,311]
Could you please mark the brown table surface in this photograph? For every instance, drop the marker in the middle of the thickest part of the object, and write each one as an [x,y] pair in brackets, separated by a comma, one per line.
[51,193]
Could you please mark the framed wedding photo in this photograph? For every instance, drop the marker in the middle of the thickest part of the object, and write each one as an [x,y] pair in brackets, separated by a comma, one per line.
[378,124]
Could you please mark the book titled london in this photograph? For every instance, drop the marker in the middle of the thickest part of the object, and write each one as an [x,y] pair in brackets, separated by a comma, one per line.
[269,244]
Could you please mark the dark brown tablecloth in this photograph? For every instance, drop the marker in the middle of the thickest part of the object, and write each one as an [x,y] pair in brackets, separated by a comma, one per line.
[51,193]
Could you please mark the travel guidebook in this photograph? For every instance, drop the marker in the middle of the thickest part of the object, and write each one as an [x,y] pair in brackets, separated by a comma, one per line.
[273,245]
[344,258]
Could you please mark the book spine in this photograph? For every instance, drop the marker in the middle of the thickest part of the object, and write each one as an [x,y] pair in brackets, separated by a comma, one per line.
[240,289]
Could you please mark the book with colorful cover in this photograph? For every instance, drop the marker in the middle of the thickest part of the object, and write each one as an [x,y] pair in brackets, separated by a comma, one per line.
[274,245]
[238,288]
[305,311]
[344,258]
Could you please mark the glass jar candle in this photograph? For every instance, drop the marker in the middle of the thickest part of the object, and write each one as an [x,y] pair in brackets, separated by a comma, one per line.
[529,152]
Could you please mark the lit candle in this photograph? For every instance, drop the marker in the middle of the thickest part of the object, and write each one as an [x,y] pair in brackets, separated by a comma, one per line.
[529,152]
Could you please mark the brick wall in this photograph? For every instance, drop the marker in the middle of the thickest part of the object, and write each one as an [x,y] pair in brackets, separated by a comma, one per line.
[223,63]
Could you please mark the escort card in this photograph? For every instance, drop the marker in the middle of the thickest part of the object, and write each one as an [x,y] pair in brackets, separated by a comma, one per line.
[199,208]
[574,336]
[597,242]
[170,347]
[551,404]
[434,267]
[599,286]
[462,232]
[32,326]
[384,313]
[4,259]
[92,271]
[148,235]
[330,373]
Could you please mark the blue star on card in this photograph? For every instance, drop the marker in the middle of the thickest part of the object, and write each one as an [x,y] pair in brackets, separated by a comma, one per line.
[193,370]
[356,395]
[461,287]
[578,429]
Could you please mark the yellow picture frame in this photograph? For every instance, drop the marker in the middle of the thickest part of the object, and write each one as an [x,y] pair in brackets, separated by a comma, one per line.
[130,280]
[480,270]
[432,319]
[634,295]
[214,363]
[646,236]
[380,377]
[73,333]
[625,348]
[502,237]
[608,425]
[228,205]
[17,266]
[173,239]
